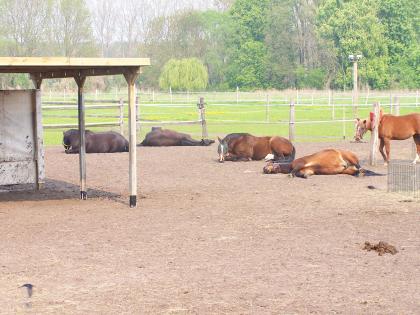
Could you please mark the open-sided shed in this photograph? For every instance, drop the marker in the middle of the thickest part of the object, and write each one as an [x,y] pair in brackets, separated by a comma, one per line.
[40,68]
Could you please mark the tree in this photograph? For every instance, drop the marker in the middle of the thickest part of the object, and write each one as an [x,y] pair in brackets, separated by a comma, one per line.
[354,27]
[247,51]
[104,19]
[72,28]
[25,26]
[184,74]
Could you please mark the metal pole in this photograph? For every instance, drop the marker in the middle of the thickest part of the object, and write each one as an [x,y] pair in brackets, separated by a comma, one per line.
[355,89]
[80,80]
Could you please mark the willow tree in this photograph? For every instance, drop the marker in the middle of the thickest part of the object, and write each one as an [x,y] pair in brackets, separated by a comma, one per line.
[184,75]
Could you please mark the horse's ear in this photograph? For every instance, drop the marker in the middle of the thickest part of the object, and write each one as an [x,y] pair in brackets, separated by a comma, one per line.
[220,140]
[364,121]
[357,120]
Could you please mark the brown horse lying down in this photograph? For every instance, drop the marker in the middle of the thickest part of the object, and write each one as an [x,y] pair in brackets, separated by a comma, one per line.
[245,147]
[325,162]
[392,128]
[96,142]
[159,137]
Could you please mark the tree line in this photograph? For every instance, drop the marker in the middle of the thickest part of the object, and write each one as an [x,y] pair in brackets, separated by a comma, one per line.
[265,44]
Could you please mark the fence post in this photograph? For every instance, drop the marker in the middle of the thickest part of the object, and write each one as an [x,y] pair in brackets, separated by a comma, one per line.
[137,108]
[267,108]
[170,92]
[202,111]
[121,116]
[292,121]
[397,106]
[417,98]
[344,121]
[153,95]
[237,94]
[374,140]
[391,109]
[331,103]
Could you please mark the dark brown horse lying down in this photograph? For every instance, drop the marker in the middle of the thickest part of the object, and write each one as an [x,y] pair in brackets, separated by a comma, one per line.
[159,137]
[325,162]
[392,128]
[245,147]
[96,142]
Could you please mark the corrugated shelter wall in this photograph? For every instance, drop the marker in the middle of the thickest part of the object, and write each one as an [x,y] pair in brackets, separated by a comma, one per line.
[19,163]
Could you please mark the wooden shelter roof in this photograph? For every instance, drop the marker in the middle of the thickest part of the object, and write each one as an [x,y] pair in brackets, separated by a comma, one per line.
[62,67]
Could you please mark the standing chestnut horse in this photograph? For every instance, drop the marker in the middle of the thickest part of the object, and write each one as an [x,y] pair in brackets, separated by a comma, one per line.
[325,162]
[245,147]
[392,128]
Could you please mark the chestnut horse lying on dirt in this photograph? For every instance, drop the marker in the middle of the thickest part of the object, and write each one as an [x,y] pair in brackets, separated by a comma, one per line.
[392,128]
[325,162]
[96,142]
[245,147]
[159,137]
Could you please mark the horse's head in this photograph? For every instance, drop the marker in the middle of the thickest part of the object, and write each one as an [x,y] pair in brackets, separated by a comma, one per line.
[222,149]
[68,137]
[361,127]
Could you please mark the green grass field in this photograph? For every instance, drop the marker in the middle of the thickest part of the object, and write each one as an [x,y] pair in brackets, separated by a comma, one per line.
[318,114]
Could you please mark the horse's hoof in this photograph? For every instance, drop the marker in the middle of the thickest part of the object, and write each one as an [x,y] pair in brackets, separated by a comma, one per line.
[291,175]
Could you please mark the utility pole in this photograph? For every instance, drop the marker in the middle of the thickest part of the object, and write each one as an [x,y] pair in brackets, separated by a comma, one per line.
[355,99]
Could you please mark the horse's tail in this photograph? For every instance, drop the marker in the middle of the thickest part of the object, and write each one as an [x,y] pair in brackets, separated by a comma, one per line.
[364,172]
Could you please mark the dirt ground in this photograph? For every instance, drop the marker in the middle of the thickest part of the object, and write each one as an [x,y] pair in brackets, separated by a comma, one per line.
[207,238]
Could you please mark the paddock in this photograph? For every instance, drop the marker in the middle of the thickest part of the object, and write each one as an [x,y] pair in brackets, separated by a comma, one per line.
[209,238]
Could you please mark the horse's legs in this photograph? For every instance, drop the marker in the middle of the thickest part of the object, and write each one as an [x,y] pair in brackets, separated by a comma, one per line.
[416,138]
[387,150]
[381,148]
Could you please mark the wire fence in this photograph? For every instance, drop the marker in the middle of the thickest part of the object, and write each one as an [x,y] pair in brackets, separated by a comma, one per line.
[303,115]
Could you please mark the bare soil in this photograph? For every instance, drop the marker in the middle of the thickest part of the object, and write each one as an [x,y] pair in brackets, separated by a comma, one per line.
[207,238]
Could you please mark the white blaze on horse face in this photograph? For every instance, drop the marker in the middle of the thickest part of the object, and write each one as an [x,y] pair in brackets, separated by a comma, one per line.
[269,157]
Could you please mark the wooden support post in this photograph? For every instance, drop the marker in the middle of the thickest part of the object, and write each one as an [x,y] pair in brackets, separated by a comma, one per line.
[292,121]
[396,106]
[80,80]
[38,134]
[131,77]
[374,140]
[121,116]
[202,112]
